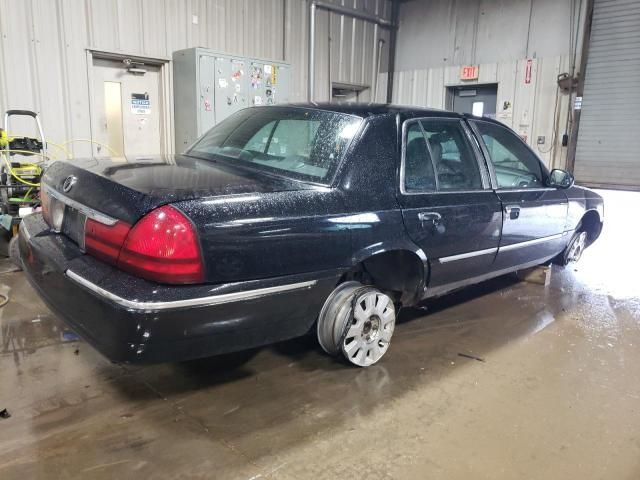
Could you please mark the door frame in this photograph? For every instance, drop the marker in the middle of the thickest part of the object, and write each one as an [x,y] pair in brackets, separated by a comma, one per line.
[449,92]
[165,89]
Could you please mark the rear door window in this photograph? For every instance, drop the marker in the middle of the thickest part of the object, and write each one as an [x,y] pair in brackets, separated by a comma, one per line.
[439,157]
[418,166]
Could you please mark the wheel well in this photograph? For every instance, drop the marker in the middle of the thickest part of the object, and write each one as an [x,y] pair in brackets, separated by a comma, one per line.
[591,224]
[399,273]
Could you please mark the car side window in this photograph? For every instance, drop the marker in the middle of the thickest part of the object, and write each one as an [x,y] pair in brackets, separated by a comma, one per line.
[419,175]
[515,165]
[453,158]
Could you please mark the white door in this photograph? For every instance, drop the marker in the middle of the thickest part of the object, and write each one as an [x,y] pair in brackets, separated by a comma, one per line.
[127,109]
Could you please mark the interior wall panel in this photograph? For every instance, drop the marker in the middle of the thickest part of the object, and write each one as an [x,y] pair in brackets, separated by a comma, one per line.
[457,32]
[437,37]
[43,47]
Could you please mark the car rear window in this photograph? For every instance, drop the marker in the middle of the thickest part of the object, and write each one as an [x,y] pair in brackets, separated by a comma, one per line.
[299,143]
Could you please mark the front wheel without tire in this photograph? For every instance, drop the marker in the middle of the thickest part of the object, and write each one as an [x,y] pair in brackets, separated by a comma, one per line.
[357,321]
[574,249]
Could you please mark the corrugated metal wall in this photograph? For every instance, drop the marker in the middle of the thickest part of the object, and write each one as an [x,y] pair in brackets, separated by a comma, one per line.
[455,32]
[608,151]
[345,47]
[437,37]
[43,62]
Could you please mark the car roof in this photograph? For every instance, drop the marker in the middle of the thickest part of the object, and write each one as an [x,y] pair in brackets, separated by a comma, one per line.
[365,110]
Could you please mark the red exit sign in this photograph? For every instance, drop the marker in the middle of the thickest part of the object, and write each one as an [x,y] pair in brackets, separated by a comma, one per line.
[469,72]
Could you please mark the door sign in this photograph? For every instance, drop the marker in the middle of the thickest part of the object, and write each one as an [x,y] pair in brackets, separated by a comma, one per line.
[140,104]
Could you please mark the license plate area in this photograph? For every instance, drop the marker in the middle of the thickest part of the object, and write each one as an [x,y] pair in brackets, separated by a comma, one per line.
[67,216]
[68,221]
[73,225]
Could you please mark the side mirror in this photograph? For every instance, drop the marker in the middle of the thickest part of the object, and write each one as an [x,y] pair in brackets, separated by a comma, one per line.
[559,178]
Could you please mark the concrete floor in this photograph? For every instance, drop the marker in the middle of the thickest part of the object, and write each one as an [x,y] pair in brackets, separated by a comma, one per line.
[557,396]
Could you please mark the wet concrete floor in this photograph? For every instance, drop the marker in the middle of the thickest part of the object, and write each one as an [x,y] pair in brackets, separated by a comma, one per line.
[557,395]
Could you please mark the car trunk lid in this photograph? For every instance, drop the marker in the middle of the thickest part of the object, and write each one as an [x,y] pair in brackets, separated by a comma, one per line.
[126,190]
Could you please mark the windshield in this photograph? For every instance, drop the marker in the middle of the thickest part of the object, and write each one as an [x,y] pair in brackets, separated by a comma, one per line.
[299,143]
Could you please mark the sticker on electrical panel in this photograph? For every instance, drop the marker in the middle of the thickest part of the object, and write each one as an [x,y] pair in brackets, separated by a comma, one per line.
[256,77]
[222,82]
[238,72]
[140,104]
[257,100]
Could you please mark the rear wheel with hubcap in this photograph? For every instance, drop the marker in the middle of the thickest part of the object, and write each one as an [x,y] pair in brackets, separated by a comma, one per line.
[357,321]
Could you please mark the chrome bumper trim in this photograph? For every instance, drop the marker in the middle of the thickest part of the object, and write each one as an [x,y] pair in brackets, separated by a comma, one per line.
[87,211]
[191,302]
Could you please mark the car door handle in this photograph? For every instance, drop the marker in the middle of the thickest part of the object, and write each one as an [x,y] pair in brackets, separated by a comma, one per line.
[432,219]
[513,211]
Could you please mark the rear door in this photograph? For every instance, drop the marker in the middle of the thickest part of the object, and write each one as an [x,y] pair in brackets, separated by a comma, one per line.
[534,215]
[448,207]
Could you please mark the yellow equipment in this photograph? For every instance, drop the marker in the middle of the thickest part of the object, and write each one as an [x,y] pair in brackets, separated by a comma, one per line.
[20,172]
[4,139]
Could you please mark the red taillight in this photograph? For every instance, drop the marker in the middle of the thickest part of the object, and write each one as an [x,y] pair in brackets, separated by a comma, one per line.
[105,241]
[163,247]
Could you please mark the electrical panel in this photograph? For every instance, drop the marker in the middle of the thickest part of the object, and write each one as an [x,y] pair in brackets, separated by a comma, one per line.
[210,86]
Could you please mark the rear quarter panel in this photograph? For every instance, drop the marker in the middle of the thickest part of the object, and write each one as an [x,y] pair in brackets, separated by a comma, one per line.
[266,235]
[370,184]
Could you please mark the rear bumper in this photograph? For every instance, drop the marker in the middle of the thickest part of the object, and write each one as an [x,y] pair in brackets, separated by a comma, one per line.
[135,321]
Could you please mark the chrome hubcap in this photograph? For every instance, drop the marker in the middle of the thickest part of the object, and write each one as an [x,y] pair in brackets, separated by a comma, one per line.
[368,337]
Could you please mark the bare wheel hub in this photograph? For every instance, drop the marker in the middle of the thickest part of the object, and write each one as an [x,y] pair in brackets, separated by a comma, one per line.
[371,328]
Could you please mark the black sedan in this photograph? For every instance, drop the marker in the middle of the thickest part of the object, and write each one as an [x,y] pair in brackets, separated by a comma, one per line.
[285,220]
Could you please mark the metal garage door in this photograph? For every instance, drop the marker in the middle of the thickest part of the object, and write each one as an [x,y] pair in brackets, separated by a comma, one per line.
[608,151]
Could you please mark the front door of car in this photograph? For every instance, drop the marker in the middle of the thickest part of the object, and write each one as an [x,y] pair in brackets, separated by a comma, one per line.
[534,215]
[447,205]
